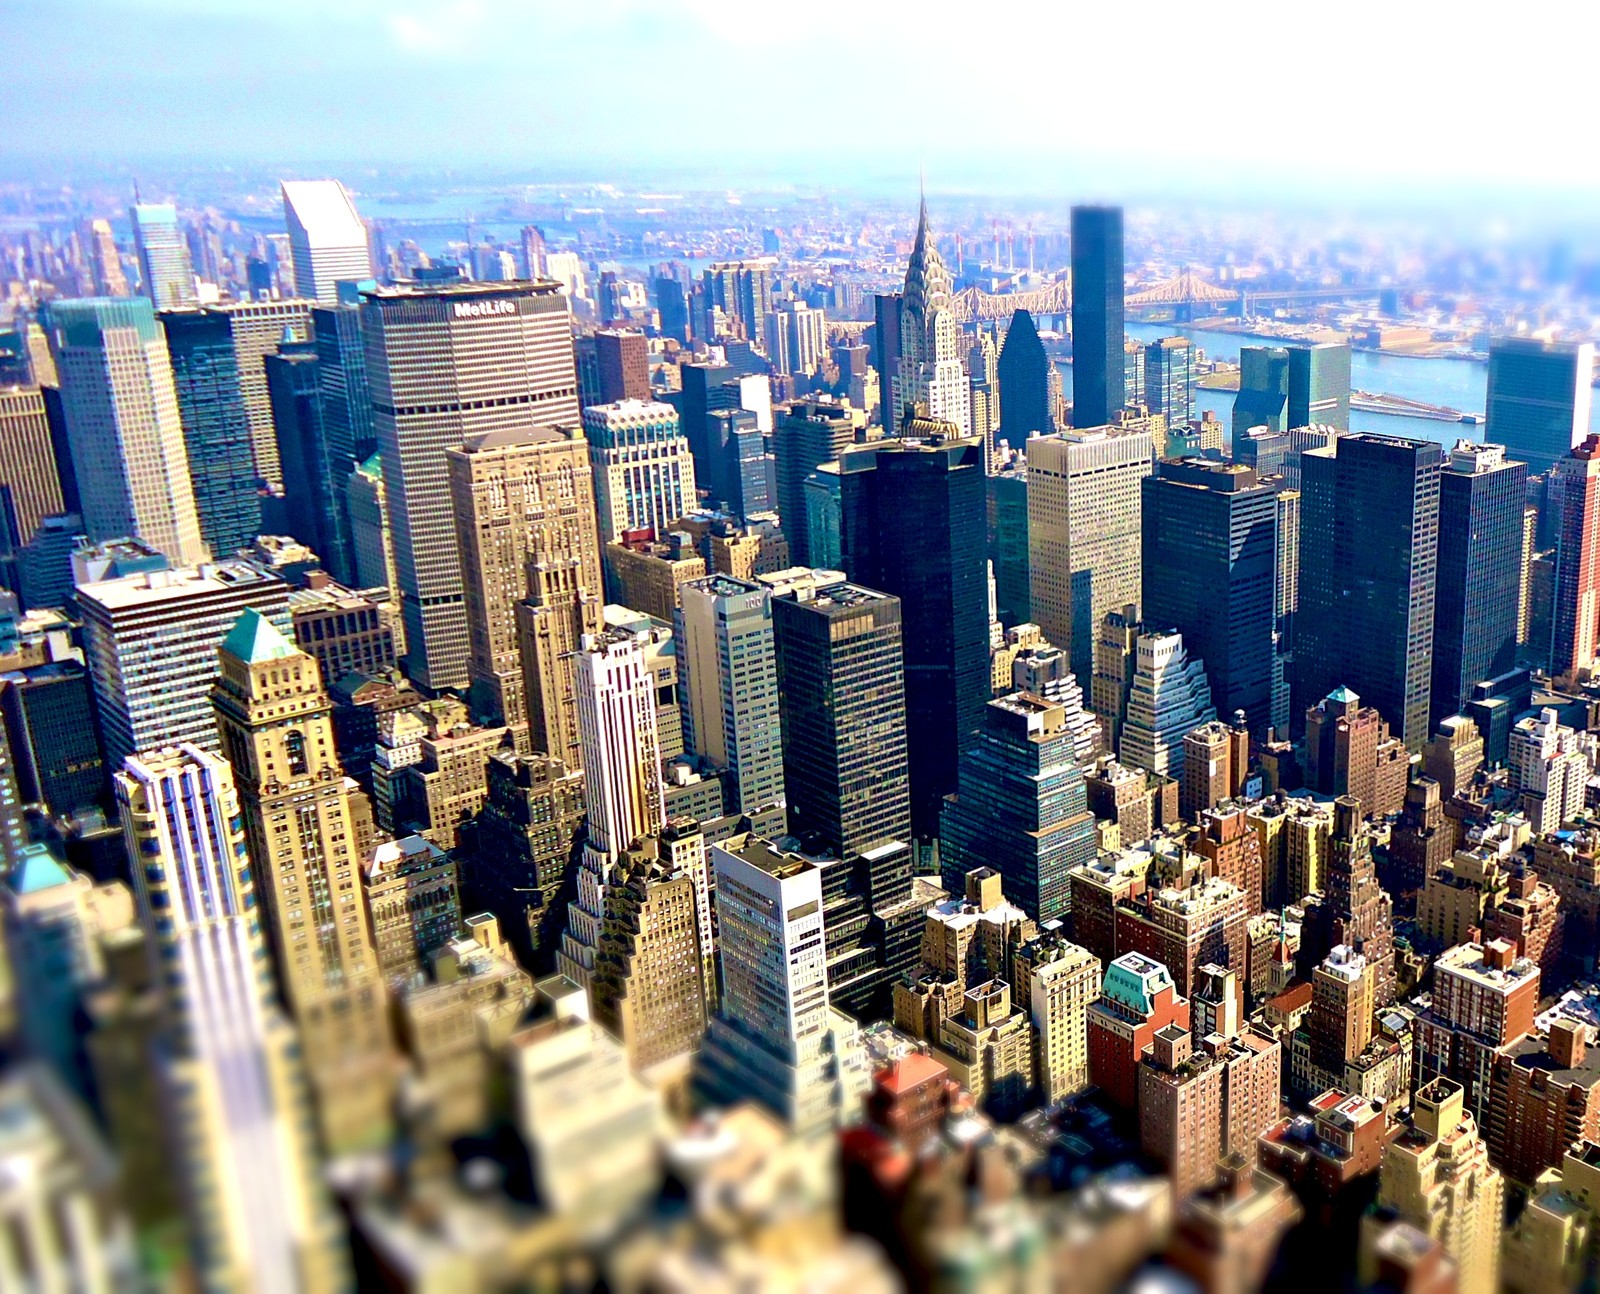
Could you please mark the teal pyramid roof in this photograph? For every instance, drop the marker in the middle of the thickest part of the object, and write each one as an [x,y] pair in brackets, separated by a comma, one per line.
[254,639]
[38,869]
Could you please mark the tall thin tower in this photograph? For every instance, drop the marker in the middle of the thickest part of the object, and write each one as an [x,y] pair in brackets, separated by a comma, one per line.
[326,238]
[931,380]
[277,732]
[228,1060]
[616,699]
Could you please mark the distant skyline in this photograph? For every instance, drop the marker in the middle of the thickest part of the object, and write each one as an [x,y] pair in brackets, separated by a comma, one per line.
[1356,100]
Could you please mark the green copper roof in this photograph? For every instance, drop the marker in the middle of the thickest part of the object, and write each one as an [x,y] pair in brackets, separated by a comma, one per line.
[38,869]
[1343,695]
[254,639]
[373,467]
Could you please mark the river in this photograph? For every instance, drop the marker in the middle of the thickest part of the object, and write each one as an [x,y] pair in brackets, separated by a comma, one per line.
[1454,383]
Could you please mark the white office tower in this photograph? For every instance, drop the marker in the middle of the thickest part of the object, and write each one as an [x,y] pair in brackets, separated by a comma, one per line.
[616,697]
[447,362]
[932,379]
[1550,767]
[643,469]
[166,274]
[151,641]
[1169,699]
[728,685]
[228,1060]
[326,238]
[123,431]
[775,1039]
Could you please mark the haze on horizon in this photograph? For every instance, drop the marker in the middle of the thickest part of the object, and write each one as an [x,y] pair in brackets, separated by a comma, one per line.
[1364,97]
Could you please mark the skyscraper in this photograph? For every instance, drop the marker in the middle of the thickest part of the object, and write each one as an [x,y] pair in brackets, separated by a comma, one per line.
[448,361]
[524,515]
[806,435]
[1284,388]
[841,676]
[315,477]
[643,468]
[1539,398]
[326,238]
[728,685]
[229,1062]
[1575,616]
[151,640]
[1024,375]
[100,249]
[371,540]
[216,432]
[931,380]
[912,526]
[623,358]
[1369,534]
[1319,385]
[776,1039]
[277,732]
[1020,807]
[342,375]
[1097,335]
[1210,557]
[1168,698]
[1479,580]
[616,702]
[887,308]
[258,329]
[123,427]
[1169,380]
[29,475]
[166,277]
[1084,527]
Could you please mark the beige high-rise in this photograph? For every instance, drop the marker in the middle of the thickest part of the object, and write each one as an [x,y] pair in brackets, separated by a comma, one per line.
[277,732]
[27,459]
[1084,532]
[523,502]
[1438,1178]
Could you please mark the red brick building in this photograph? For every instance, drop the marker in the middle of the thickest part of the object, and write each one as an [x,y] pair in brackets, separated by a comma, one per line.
[1137,999]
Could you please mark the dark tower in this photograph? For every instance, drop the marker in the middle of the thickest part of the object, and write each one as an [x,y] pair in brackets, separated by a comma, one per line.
[1024,383]
[912,524]
[1098,380]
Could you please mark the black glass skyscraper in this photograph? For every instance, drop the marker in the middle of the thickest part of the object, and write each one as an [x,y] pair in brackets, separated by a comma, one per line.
[805,435]
[346,396]
[1024,371]
[1481,498]
[314,489]
[706,389]
[912,524]
[1369,535]
[1098,381]
[886,315]
[1169,379]
[1210,561]
[1285,387]
[841,673]
[216,431]
[1539,398]
[1022,807]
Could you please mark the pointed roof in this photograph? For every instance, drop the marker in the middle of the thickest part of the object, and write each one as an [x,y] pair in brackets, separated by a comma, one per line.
[38,869]
[928,284]
[254,639]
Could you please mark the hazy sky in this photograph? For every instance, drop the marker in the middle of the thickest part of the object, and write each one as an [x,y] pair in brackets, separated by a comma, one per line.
[1314,93]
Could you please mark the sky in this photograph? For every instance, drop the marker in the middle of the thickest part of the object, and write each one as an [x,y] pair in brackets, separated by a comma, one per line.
[1402,95]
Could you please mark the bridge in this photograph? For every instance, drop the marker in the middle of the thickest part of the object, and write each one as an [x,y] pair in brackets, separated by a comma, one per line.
[974,305]
[1186,288]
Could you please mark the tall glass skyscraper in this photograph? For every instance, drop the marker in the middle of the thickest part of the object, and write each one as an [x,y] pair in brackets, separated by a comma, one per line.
[314,478]
[913,525]
[216,432]
[1286,387]
[1021,807]
[1369,538]
[1210,557]
[123,426]
[166,276]
[1169,379]
[841,673]
[1481,500]
[1539,398]
[1098,381]
[1024,374]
